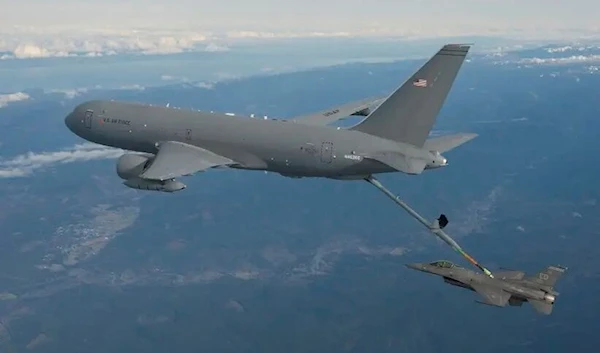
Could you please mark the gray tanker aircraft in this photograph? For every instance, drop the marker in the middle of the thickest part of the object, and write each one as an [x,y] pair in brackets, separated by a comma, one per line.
[507,287]
[171,142]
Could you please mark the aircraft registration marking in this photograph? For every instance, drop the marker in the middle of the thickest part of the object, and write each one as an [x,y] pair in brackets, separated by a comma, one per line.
[353,157]
[331,112]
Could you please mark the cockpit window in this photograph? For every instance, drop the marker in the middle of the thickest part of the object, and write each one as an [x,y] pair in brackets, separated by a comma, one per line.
[443,264]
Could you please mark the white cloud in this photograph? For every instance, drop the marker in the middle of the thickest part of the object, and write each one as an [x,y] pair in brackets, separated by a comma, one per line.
[173,78]
[566,60]
[76,92]
[26,164]
[212,47]
[69,93]
[434,17]
[206,85]
[36,28]
[294,34]
[5,99]
[42,43]
[567,48]
[134,87]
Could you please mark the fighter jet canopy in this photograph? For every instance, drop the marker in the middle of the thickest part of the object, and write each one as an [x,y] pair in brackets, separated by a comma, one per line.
[443,264]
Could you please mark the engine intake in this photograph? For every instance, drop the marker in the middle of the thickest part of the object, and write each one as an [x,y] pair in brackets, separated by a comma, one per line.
[131,165]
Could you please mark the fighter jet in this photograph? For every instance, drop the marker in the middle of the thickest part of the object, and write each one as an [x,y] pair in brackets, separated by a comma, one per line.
[507,287]
[169,143]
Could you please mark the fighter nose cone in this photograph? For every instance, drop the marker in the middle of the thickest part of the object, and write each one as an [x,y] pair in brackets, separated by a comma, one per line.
[418,267]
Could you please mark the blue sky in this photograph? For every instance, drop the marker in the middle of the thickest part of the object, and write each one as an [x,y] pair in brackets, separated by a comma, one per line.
[356,16]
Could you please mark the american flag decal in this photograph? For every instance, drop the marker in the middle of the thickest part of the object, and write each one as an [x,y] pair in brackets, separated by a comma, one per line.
[420,82]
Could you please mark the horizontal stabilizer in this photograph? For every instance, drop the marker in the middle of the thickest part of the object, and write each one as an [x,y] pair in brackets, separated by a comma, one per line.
[400,162]
[175,159]
[328,116]
[446,143]
[541,306]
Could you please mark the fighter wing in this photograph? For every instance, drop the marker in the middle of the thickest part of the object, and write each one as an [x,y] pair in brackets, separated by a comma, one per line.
[509,274]
[492,296]
[327,116]
[175,159]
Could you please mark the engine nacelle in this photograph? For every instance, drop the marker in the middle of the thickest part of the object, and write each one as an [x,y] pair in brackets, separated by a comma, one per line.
[171,185]
[131,165]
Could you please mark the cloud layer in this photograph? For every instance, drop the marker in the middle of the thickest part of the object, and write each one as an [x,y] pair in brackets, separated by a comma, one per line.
[5,99]
[19,43]
[36,28]
[408,16]
[26,164]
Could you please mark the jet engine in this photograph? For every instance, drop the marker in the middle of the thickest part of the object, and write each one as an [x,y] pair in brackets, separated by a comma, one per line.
[131,165]
[171,185]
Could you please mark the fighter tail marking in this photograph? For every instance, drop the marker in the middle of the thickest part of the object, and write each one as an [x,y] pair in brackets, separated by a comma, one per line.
[548,277]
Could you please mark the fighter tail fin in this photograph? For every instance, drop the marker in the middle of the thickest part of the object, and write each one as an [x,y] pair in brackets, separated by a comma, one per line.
[409,113]
[541,306]
[548,277]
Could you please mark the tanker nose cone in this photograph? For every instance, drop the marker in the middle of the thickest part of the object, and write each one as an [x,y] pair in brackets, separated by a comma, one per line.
[70,122]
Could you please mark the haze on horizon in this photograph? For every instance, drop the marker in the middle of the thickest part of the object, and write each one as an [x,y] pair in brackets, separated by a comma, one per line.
[387,17]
